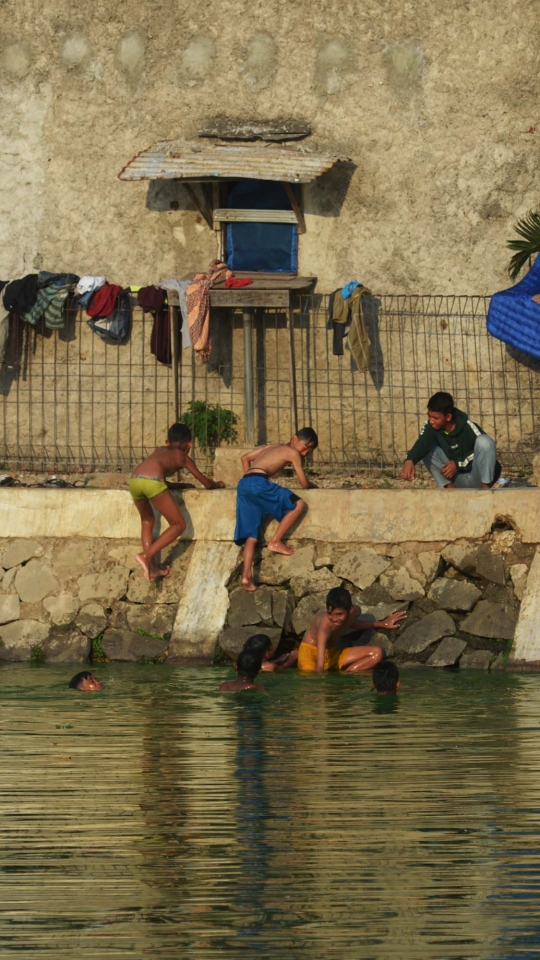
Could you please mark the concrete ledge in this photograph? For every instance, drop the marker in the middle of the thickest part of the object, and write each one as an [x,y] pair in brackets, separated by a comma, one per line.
[338,516]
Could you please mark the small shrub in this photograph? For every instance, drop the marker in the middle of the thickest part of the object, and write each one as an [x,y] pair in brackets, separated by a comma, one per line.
[37,656]
[97,653]
[210,424]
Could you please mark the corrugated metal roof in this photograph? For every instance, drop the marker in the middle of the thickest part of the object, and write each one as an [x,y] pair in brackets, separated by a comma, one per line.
[185,160]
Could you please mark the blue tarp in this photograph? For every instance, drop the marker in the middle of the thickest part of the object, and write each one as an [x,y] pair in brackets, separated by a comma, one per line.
[514,317]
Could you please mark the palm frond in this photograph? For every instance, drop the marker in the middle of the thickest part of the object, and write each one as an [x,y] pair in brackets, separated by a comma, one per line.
[529,229]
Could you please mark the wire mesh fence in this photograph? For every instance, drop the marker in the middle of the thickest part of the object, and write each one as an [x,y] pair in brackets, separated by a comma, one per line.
[69,401]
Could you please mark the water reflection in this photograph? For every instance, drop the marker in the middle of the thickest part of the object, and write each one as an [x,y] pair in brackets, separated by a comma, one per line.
[161,819]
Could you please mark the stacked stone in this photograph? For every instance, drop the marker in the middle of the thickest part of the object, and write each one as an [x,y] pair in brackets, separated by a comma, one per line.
[462,599]
[57,598]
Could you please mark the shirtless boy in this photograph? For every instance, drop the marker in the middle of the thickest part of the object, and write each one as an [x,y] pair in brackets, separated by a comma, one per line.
[148,484]
[248,666]
[258,498]
[317,651]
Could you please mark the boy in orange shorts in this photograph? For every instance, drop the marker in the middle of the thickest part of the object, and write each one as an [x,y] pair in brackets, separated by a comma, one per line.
[318,652]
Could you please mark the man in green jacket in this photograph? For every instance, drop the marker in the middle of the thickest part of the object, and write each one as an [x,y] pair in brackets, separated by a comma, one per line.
[455,450]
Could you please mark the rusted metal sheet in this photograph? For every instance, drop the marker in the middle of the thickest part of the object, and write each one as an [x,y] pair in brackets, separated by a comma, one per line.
[196,161]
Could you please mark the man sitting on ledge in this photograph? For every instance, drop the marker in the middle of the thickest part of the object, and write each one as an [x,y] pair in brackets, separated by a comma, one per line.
[455,450]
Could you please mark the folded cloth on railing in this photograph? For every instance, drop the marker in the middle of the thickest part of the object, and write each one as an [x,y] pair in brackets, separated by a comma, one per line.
[20,295]
[103,301]
[349,288]
[236,282]
[350,312]
[198,303]
[45,278]
[88,284]
[50,304]
[514,317]
[116,326]
[151,298]
[181,287]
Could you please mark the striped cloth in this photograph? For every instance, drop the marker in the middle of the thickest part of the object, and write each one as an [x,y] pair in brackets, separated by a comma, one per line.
[50,303]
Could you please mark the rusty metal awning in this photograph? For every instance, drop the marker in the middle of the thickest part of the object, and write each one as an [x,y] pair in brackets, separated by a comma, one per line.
[196,161]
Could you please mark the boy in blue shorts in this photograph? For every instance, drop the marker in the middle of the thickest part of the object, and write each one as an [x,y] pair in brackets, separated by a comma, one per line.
[257,497]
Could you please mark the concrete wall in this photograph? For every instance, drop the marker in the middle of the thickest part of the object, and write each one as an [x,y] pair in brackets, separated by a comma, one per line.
[437,106]
[334,516]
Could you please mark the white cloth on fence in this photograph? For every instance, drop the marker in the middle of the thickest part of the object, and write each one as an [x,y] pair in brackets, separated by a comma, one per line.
[89,284]
[181,288]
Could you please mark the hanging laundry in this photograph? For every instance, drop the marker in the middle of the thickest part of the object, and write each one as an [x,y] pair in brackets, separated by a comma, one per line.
[349,288]
[50,301]
[181,287]
[4,324]
[514,316]
[236,282]
[45,278]
[350,312]
[88,284]
[198,302]
[103,301]
[151,298]
[20,295]
[115,327]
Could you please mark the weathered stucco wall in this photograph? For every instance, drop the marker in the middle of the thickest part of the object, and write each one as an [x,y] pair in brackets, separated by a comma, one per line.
[433,103]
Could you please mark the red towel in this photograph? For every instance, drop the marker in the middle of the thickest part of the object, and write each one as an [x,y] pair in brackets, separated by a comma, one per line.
[235,282]
[103,300]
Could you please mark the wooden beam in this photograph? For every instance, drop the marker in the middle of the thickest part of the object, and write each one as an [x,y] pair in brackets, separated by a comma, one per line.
[240,215]
[296,207]
[203,212]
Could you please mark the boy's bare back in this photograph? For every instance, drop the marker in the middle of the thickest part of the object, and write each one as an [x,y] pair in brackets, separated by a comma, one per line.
[272,458]
[162,463]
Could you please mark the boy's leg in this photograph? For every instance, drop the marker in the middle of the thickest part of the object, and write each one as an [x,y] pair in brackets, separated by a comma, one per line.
[247,572]
[276,544]
[168,508]
[147,534]
[434,462]
[355,659]
[482,474]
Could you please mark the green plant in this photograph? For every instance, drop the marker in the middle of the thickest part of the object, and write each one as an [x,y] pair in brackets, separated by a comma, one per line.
[210,424]
[97,652]
[529,229]
[151,661]
[36,655]
[153,636]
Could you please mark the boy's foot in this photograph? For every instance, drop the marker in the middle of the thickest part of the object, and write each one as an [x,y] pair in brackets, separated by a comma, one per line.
[157,572]
[140,558]
[279,547]
[248,584]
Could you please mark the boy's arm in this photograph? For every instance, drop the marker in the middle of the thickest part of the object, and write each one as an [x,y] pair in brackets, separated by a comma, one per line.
[296,461]
[247,457]
[391,622]
[206,481]
[322,639]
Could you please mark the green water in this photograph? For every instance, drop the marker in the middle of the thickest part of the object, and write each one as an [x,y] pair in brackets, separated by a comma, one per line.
[160,819]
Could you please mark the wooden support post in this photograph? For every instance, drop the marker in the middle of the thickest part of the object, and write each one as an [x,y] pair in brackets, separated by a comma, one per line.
[296,207]
[199,206]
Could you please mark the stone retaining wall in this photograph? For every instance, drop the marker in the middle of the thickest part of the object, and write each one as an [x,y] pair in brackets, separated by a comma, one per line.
[70,601]
[462,598]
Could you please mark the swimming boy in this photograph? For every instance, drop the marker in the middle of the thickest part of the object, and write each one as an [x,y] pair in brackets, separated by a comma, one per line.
[317,651]
[258,498]
[385,678]
[270,663]
[85,680]
[248,666]
[147,485]
[455,450]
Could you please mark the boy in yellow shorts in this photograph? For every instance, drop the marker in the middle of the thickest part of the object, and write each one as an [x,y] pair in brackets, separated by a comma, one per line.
[148,484]
[317,651]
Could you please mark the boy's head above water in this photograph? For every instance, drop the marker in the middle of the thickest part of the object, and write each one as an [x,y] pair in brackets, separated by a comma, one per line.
[304,441]
[85,681]
[441,410]
[259,643]
[338,605]
[385,676]
[249,664]
[179,434]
